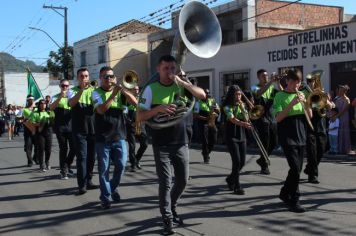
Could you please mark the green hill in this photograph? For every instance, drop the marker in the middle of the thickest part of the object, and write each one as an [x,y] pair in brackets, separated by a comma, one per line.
[10,63]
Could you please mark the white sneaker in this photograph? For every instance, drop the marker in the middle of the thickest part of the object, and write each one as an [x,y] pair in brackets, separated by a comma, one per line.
[64,176]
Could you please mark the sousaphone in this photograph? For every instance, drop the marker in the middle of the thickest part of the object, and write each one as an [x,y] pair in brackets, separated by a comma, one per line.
[199,32]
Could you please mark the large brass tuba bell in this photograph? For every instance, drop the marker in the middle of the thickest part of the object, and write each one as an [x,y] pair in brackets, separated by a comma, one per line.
[130,79]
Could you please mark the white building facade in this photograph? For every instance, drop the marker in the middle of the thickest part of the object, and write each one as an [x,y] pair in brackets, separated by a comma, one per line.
[331,49]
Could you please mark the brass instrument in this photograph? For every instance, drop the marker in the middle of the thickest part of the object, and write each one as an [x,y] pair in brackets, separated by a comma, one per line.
[93,83]
[130,79]
[199,32]
[317,99]
[245,113]
[308,118]
[213,115]
[258,110]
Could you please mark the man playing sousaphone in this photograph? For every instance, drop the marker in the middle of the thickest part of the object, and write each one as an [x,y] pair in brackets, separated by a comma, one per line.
[170,144]
[316,138]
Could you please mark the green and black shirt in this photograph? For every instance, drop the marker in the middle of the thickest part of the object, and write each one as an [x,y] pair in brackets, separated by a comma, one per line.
[83,111]
[44,119]
[110,126]
[266,100]
[157,94]
[292,129]
[233,132]
[63,118]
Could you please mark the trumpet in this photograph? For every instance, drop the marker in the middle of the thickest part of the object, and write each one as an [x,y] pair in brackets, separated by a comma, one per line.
[308,118]
[93,83]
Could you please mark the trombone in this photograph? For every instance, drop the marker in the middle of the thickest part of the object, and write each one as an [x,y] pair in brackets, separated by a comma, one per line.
[256,112]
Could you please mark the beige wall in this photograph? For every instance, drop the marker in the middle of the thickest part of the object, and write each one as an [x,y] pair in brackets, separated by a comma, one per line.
[129,53]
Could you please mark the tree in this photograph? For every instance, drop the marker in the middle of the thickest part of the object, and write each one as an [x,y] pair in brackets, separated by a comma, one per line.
[57,63]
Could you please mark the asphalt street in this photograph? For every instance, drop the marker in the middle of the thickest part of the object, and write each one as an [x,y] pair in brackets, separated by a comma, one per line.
[35,203]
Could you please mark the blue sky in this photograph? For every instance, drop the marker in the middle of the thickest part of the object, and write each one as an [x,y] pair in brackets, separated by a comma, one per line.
[85,18]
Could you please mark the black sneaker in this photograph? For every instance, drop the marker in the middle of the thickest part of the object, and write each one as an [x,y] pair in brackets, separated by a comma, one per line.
[239,191]
[297,208]
[168,227]
[29,164]
[138,166]
[91,186]
[265,171]
[105,205]
[82,191]
[176,219]
[132,169]
[115,196]
[313,180]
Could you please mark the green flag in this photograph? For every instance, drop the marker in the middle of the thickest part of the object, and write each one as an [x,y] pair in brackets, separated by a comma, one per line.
[32,87]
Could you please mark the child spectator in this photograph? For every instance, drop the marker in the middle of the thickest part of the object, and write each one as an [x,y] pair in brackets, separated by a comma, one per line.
[333,131]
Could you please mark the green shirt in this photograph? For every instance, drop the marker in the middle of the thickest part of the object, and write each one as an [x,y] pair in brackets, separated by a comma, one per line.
[282,100]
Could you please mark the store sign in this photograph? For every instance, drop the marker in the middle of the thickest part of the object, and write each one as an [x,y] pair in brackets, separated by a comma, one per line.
[316,43]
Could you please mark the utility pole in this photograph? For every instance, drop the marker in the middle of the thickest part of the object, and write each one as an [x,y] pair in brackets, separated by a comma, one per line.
[65,61]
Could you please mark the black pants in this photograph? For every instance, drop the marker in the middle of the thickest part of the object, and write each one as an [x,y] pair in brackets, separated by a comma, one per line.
[237,152]
[316,147]
[268,135]
[29,142]
[84,145]
[66,151]
[294,155]
[143,140]
[209,136]
[44,146]
[131,141]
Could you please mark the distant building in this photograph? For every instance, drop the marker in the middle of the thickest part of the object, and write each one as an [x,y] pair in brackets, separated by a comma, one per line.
[15,86]
[123,47]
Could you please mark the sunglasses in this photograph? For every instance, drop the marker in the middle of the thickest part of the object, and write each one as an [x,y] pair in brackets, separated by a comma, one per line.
[64,85]
[109,76]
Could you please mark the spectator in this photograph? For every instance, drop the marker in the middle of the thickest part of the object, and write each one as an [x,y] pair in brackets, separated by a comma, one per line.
[342,103]
[333,131]
[10,118]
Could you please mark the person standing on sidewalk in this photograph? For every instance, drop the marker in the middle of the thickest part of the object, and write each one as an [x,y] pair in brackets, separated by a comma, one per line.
[110,133]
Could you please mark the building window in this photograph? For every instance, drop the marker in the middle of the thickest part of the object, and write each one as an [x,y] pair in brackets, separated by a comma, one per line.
[240,78]
[101,54]
[83,58]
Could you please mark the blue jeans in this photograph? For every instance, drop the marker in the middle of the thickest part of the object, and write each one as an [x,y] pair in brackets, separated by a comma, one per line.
[117,152]
[333,143]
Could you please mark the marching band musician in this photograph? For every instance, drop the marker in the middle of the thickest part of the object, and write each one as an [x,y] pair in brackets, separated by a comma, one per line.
[131,131]
[63,129]
[80,101]
[29,136]
[170,145]
[43,121]
[264,93]
[291,125]
[110,133]
[236,124]
[317,138]
[203,111]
